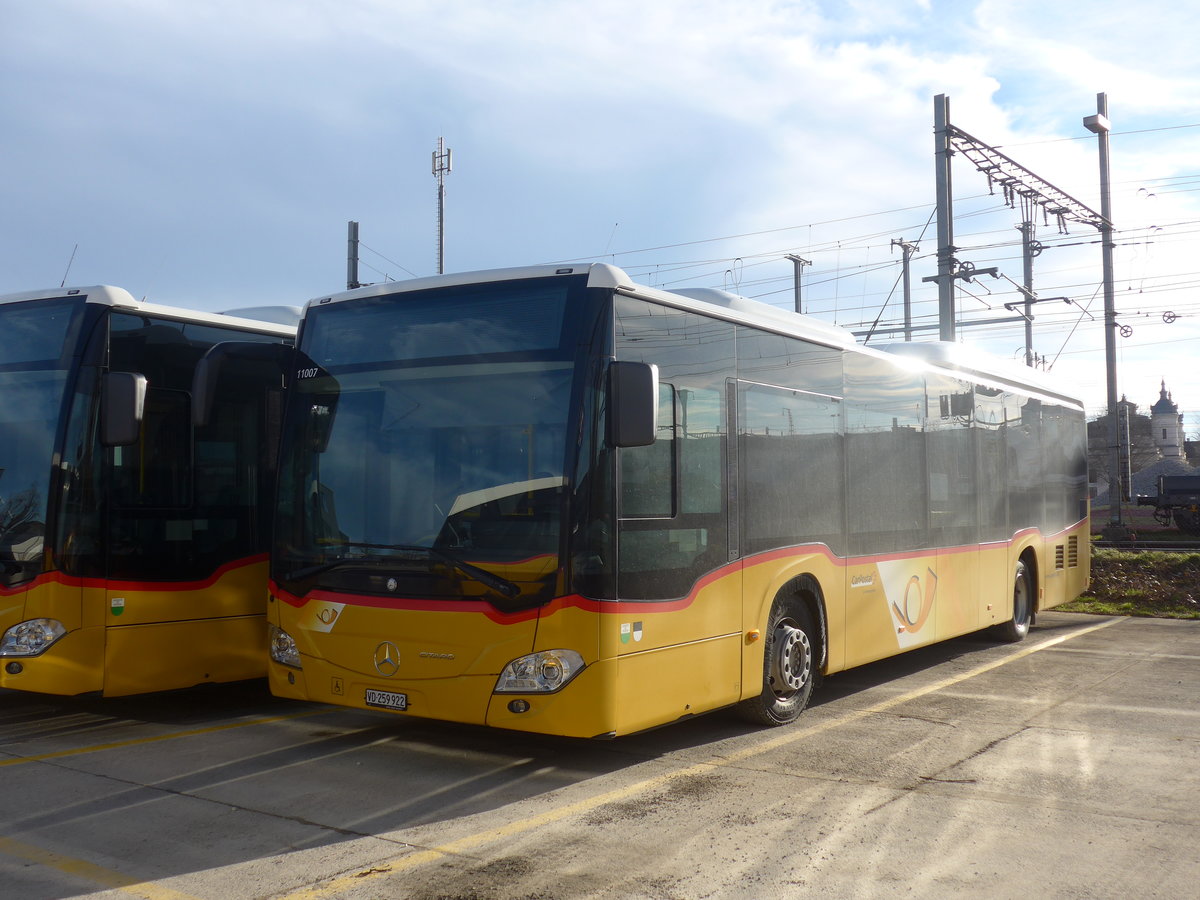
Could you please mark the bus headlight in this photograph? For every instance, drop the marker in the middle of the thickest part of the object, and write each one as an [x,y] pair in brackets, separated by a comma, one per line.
[539,673]
[31,638]
[283,648]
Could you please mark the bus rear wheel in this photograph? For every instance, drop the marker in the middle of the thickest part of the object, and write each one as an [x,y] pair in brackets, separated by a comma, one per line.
[789,666]
[1016,628]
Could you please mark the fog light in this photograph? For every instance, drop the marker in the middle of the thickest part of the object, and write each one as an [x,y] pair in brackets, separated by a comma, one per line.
[518,706]
[14,668]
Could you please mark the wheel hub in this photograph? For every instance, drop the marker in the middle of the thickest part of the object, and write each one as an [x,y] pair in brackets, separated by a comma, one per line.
[792,660]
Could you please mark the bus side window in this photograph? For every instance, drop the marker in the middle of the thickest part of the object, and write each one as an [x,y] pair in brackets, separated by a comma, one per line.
[157,470]
[648,474]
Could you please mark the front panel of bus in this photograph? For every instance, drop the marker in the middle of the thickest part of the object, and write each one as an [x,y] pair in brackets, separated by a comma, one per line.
[149,567]
[431,444]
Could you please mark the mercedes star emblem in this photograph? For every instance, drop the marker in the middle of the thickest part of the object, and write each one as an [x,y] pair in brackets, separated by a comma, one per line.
[387,659]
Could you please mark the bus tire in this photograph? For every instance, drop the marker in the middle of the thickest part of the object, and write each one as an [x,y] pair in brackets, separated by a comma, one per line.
[789,666]
[1016,628]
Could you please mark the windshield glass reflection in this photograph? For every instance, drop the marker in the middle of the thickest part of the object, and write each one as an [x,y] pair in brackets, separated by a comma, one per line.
[437,479]
[33,376]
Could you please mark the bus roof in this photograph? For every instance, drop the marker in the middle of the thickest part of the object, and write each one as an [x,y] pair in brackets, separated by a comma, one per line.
[955,359]
[602,275]
[971,361]
[281,320]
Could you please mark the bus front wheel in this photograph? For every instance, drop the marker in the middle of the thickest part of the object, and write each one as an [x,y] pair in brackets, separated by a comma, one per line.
[789,666]
[1018,626]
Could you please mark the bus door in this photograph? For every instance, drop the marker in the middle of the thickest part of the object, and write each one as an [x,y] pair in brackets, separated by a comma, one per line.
[679,592]
[184,598]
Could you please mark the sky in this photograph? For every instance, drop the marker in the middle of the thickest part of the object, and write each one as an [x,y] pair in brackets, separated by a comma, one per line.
[210,154]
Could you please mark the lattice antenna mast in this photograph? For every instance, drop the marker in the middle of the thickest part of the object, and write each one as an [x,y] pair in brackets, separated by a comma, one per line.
[443,158]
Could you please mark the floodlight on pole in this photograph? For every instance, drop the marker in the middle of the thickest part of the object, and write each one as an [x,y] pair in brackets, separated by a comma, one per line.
[798,263]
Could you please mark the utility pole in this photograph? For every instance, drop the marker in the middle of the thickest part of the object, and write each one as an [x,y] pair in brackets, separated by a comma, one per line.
[799,263]
[1100,126]
[352,281]
[443,158]
[908,248]
[1029,249]
[945,216]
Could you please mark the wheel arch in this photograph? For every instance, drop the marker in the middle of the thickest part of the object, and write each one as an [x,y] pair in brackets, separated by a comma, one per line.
[1032,561]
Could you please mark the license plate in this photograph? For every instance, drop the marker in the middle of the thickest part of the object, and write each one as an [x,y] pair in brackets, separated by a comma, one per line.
[386,699]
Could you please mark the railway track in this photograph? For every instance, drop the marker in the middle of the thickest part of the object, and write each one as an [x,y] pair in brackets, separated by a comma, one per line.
[1162,546]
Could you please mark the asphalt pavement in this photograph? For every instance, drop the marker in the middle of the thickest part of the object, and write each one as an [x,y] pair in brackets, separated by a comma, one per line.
[1063,766]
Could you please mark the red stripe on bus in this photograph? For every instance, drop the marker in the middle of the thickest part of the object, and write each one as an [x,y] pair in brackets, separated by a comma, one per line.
[576,601]
[76,581]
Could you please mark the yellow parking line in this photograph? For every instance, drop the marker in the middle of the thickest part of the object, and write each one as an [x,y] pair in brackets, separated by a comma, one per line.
[788,736]
[80,868]
[174,735]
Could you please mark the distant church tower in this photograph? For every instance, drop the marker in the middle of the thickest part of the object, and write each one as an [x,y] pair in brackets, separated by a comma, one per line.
[1167,424]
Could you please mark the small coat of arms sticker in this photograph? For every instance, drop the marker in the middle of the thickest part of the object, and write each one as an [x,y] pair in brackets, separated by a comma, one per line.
[631,630]
[118,605]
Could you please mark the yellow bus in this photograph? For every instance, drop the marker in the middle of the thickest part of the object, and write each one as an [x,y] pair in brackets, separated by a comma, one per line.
[554,500]
[133,546]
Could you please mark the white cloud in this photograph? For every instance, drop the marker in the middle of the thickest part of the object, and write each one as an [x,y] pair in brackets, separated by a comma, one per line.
[201,149]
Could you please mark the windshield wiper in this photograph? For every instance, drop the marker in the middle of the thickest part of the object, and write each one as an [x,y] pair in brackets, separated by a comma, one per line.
[310,571]
[413,552]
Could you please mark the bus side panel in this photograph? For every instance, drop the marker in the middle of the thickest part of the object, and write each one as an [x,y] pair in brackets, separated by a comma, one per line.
[892,605]
[163,637]
[1068,566]
[659,686]
[957,592]
[238,589]
[710,611]
[170,655]
[995,584]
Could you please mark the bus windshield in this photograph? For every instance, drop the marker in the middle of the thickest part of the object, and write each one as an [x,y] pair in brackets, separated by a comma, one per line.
[34,368]
[424,452]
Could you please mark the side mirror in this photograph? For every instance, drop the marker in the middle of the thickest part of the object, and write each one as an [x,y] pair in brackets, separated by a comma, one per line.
[632,404]
[122,406]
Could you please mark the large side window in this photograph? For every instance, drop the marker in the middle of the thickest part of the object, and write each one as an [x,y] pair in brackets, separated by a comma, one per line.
[672,526]
[649,474]
[950,447]
[791,437]
[791,466]
[990,429]
[1026,464]
[885,456]
[156,472]
[788,362]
